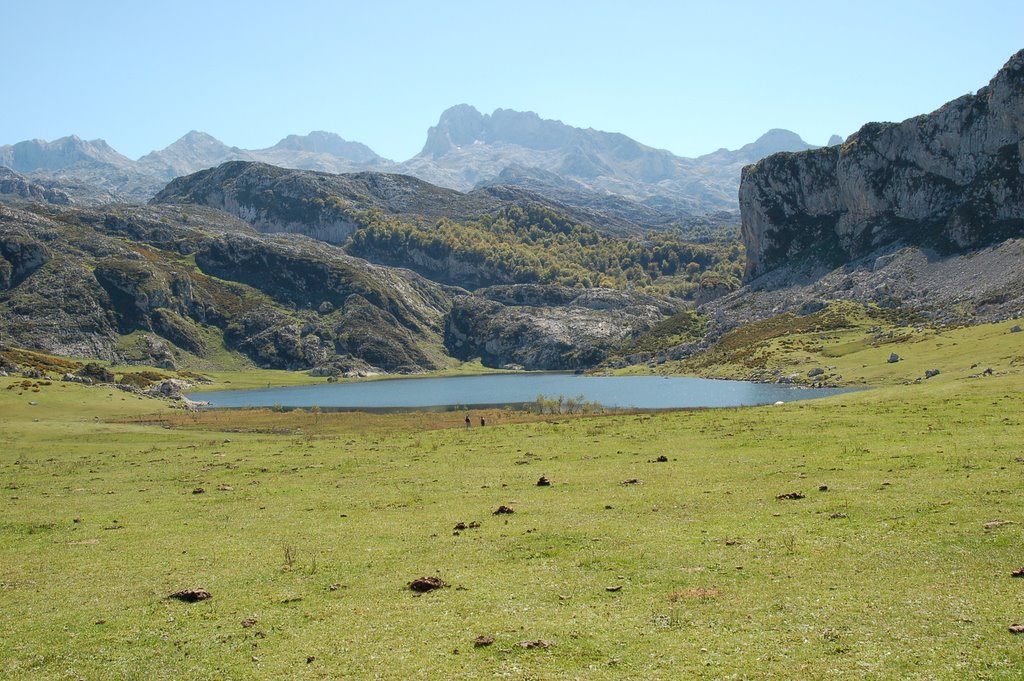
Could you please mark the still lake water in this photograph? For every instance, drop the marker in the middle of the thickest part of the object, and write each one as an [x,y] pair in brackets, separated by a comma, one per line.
[640,392]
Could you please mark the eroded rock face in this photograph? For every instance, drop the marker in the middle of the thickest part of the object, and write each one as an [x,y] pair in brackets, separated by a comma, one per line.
[144,284]
[549,327]
[951,180]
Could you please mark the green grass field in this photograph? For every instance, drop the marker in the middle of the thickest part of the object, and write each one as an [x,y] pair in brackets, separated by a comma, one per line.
[310,527]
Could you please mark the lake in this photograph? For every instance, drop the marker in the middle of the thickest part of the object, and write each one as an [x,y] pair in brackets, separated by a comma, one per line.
[639,392]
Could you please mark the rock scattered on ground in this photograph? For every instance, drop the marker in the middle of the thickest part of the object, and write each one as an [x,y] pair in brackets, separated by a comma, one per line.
[191,595]
[249,622]
[543,482]
[504,510]
[198,490]
[1017,628]
[536,643]
[617,587]
[425,584]
[790,495]
[1018,573]
[893,358]
[822,488]
[482,641]
[633,481]
[931,372]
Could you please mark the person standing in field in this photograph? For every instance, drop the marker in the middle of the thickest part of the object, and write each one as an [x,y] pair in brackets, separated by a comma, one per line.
[468,422]
[482,422]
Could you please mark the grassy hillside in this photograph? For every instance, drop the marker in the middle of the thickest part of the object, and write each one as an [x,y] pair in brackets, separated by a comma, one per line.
[311,525]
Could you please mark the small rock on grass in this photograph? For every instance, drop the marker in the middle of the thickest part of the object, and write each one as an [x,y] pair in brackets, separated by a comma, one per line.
[425,584]
[790,495]
[536,643]
[543,482]
[1017,628]
[617,587]
[483,641]
[191,595]
[1018,573]
[249,622]
[504,510]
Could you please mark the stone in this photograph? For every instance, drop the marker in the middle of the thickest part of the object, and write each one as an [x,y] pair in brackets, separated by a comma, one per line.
[893,358]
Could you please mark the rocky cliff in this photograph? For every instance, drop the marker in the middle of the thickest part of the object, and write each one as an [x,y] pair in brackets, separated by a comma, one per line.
[951,180]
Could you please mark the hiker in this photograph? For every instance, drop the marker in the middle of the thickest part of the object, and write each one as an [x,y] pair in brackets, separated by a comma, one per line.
[482,422]
[468,422]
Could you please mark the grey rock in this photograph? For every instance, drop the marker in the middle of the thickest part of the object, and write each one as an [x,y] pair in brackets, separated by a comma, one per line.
[1015,328]
[893,358]
[549,327]
[950,180]
[817,371]
[931,372]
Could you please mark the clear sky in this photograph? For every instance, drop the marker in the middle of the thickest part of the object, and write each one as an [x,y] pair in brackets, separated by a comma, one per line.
[685,76]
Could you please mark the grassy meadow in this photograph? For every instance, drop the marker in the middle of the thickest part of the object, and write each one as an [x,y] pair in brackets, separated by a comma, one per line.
[895,563]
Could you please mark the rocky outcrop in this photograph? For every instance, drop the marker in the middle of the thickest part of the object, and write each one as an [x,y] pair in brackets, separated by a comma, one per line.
[18,187]
[951,180]
[321,205]
[549,327]
[157,285]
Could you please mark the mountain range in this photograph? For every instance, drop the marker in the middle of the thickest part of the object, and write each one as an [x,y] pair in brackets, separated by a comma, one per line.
[466,150]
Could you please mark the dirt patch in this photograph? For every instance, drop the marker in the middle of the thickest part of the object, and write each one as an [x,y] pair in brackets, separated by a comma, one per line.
[425,584]
[694,593]
[536,643]
[993,524]
[191,595]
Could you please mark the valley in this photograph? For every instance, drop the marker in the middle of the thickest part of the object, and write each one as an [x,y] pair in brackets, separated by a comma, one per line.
[870,534]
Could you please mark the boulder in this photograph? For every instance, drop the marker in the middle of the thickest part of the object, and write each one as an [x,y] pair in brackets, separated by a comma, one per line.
[893,358]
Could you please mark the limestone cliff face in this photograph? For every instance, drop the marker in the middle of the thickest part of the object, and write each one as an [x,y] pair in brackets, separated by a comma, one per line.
[952,180]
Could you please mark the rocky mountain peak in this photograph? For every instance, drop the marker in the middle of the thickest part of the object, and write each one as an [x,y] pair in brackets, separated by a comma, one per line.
[192,151]
[458,126]
[776,140]
[320,142]
[38,154]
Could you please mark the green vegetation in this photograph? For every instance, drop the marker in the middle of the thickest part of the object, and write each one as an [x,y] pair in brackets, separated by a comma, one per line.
[534,244]
[680,328]
[310,525]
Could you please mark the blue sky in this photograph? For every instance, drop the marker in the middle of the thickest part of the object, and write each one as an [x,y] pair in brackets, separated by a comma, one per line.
[684,76]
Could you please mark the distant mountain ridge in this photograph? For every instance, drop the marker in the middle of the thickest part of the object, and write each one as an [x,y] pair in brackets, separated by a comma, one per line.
[466,150]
